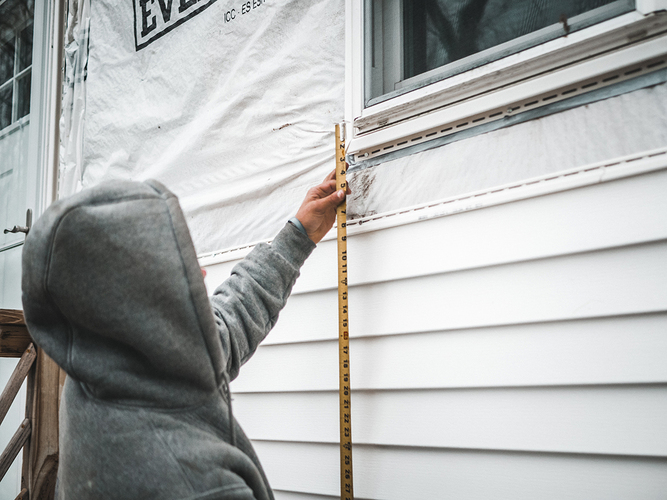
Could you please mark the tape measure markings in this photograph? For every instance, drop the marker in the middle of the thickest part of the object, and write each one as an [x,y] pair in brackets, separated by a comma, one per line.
[346,489]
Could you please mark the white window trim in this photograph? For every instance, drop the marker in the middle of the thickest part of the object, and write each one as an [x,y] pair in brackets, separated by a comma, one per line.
[46,95]
[608,46]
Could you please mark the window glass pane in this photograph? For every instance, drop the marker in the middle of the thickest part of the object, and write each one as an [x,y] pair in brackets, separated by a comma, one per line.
[14,13]
[445,37]
[6,61]
[442,31]
[5,106]
[25,48]
[23,105]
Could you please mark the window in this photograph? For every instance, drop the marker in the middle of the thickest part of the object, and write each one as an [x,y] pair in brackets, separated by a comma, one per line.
[417,42]
[16,26]
[422,70]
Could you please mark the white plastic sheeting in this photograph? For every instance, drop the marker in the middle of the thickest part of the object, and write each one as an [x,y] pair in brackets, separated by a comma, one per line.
[74,97]
[231,104]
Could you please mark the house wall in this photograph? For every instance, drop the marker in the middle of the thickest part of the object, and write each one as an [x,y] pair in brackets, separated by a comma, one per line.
[514,351]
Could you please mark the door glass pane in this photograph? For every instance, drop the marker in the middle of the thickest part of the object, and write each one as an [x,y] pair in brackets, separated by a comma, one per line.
[23,101]
[434,39]
[25,47]
[6,61]
[6,106]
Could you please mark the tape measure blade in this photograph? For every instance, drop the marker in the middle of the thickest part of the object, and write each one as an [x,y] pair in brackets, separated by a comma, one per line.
[346,487]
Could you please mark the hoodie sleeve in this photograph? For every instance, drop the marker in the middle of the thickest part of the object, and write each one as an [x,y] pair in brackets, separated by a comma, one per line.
[246,305]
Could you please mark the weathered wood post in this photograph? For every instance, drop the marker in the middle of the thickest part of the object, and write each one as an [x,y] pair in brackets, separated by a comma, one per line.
[43,456]
[38,433]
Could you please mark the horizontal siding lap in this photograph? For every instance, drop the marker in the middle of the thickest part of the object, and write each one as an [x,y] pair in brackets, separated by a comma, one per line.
[399,473]
[625,420]
[293,495]
[625,280]
[616,350]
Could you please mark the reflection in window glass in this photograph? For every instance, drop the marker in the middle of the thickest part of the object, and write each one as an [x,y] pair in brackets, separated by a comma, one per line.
[25,48]
[438,38]
[442,31]
[23,104]
[5,106]
[16,33]
[6,61]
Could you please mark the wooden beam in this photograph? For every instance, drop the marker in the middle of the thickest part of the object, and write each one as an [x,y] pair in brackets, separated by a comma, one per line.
[23,494]
[14,340]
[43,465]
[29,400]
[13,447]
[11,317]
[14,336]
[16,380]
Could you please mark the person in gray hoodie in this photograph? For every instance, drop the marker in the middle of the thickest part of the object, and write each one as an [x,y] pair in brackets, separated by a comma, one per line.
[113,292]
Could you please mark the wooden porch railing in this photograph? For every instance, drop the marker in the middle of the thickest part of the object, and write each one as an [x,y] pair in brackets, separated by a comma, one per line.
[38,433]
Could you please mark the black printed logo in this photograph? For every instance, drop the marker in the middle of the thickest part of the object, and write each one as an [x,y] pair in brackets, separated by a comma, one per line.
[154,18]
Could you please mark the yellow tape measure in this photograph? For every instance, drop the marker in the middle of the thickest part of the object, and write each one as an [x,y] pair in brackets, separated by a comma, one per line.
[346,490]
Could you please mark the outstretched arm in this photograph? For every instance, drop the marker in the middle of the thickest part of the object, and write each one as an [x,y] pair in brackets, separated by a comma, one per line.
[318,210]
[247,304]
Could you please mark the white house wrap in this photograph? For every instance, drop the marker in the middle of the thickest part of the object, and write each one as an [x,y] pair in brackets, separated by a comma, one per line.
[233,107]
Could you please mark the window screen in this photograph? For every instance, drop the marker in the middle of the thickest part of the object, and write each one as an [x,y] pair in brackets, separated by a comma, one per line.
[410,43]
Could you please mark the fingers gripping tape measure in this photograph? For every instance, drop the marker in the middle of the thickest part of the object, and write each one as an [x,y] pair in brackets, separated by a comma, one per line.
[346,490]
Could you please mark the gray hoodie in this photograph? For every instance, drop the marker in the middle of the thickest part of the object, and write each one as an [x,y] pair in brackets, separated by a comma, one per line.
[112,291]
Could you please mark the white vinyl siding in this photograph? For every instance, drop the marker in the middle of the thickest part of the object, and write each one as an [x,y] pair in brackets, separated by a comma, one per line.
[429,473]
[517,351]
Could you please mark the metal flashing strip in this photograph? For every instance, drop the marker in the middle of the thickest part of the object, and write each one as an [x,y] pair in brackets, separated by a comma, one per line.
[636,77]
[587,175]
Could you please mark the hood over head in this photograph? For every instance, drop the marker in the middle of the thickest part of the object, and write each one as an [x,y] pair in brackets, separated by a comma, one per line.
[113,292]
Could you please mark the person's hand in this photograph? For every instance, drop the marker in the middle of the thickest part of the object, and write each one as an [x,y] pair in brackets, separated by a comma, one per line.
[318,210]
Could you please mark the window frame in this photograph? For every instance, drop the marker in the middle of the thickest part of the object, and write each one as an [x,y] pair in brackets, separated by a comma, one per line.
[18,75]
[400,84]
[612,44]
[45,109]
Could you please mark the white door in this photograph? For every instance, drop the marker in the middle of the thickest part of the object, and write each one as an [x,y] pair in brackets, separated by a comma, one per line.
[26,126]
[27,73]
[16,60]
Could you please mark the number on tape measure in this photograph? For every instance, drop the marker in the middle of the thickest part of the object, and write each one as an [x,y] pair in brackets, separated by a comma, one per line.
[346,489]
